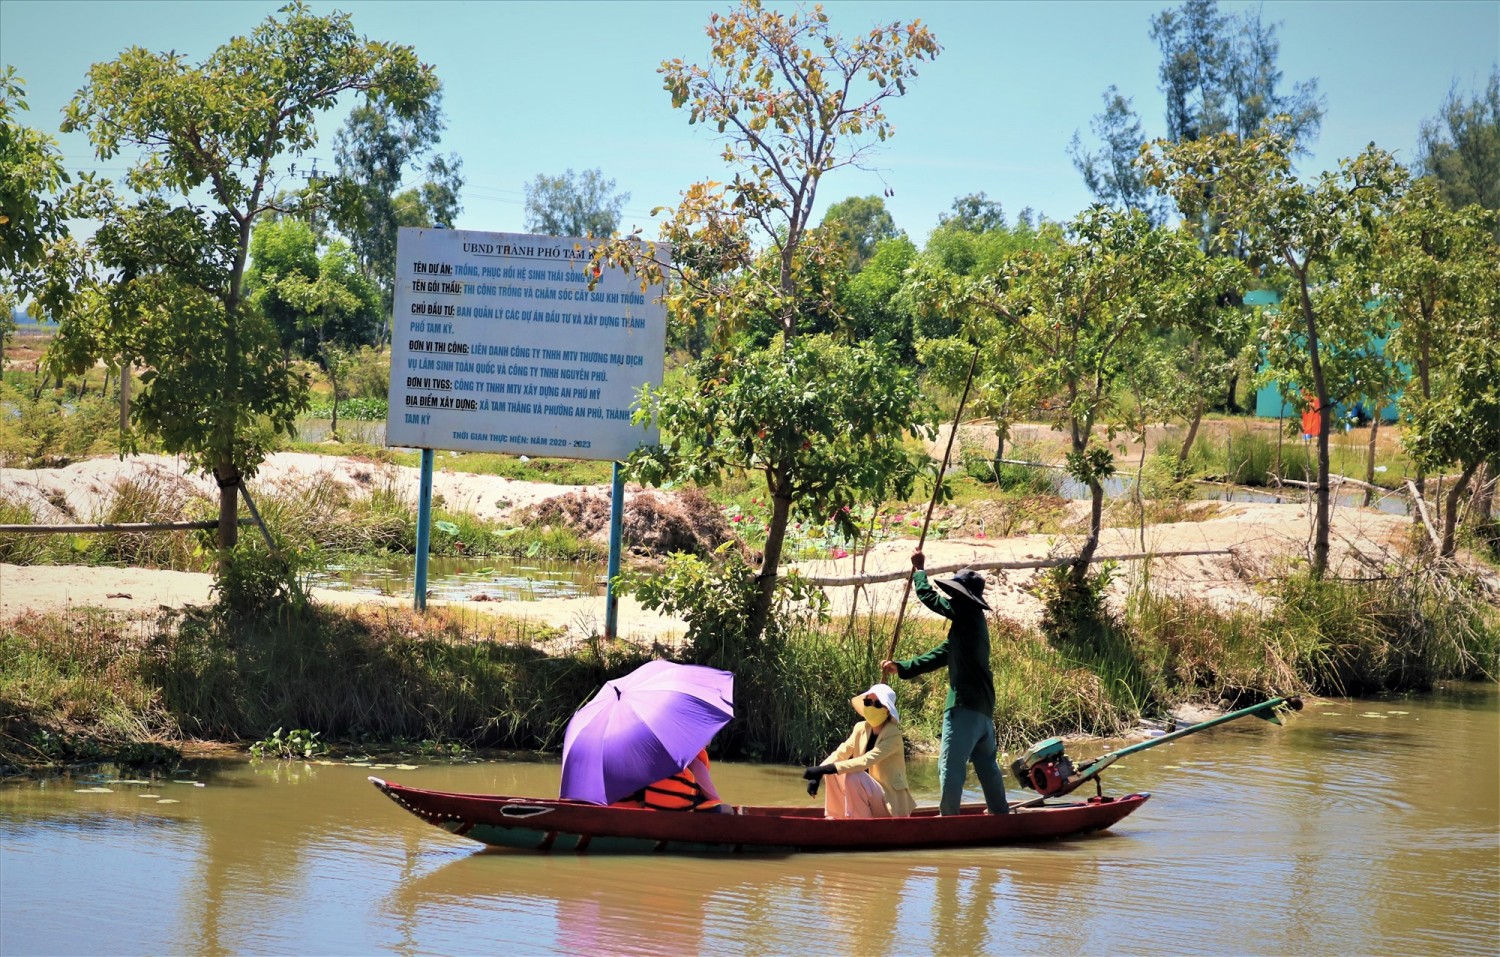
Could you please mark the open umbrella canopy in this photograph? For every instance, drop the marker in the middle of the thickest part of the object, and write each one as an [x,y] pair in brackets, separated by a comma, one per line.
[643,727]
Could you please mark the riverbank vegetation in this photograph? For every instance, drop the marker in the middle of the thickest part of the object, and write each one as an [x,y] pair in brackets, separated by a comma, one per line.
[92,686]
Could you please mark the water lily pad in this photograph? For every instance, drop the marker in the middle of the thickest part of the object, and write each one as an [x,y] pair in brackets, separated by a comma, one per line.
[1398,712]
[168,801]
[382,765]
[360,764]
[406,767]
[92,791]
[148,795]
[1373,714]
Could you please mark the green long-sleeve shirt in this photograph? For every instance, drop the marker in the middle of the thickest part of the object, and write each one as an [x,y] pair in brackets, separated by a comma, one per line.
[966,652]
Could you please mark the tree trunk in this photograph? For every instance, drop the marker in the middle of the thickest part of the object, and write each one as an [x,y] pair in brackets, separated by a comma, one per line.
[1424,381]
[228,478]
[1320,385]
[1450,514]
[1096,520]
[1230,405]
[1370,460]
[1140,498]
[1192,434]
[781,511]
[1484,495]
[1000,430]
[125,398]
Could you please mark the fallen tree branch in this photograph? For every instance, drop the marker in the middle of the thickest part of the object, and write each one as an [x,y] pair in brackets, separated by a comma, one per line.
[111,527]
[1437,547]
[899,573]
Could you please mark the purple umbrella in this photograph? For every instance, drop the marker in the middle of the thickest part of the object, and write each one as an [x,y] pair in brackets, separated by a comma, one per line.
[643,727]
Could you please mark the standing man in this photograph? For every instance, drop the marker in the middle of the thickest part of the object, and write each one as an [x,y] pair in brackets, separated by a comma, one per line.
[969,721]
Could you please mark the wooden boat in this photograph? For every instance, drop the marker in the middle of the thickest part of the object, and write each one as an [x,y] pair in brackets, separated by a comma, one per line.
[557,825]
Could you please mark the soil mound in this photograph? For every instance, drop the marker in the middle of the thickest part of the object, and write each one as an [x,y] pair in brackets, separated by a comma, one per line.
[653,524]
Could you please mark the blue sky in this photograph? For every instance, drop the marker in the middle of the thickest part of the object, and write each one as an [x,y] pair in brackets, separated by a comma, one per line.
[541,87]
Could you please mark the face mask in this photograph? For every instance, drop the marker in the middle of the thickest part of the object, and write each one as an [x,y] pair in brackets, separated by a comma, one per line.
[876,714]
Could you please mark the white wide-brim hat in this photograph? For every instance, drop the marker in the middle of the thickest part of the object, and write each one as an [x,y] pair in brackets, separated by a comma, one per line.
[883,693]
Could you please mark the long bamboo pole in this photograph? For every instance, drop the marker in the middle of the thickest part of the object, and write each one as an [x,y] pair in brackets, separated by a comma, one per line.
[937,487]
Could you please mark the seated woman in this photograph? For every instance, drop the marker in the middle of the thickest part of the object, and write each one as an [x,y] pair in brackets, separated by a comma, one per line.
[691,789]
[867,773]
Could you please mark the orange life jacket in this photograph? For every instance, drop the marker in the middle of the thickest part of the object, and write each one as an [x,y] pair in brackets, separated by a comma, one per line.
[677,792]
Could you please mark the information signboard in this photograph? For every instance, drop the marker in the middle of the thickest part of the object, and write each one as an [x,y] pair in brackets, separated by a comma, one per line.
[499,345]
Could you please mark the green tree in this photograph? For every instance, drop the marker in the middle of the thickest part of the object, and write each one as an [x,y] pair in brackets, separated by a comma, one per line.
[315,300]
[1306,233]
[1081,313]
[975,213]
[956,288]
[793,101]
[38,266]
[1219,74]
[1073,319]
[1461,424]
[216,387]
[337,363]
[1460,148]
[569,205]
[861,223]
[376,150]
[1111,174]
[877,310]
[822,422]
[1436,269]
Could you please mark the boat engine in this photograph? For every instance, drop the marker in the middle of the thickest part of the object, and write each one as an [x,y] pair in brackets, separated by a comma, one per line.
[1045,769]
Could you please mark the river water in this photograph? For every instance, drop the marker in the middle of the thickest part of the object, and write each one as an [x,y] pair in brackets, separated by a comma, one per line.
[1363,827]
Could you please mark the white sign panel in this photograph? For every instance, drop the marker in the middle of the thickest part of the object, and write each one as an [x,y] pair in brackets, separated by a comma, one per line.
[499,345]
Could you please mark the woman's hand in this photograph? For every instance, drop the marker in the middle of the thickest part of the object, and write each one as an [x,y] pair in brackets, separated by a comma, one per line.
[814,776]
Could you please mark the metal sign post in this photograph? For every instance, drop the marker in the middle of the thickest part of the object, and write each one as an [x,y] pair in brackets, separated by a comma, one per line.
[424,531]
[616,536]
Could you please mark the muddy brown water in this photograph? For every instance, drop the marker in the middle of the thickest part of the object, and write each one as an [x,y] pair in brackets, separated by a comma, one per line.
[1364,827]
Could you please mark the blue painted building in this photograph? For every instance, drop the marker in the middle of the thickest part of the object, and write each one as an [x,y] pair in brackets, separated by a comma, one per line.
[1269,403]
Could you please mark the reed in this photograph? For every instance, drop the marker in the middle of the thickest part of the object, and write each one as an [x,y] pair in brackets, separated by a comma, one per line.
[22,549]
[154,498]
[1406,632]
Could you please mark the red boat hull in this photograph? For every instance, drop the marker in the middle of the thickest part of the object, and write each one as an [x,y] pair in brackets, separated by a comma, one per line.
[557,825]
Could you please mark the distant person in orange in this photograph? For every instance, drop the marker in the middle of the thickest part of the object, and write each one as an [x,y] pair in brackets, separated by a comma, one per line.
[691,789]
[1312,419]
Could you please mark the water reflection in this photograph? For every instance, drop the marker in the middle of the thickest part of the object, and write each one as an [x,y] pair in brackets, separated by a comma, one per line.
[1362,827]
[466,579]
[1120,486]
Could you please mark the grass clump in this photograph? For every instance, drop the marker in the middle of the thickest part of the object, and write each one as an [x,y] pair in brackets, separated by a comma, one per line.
[1403,633]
